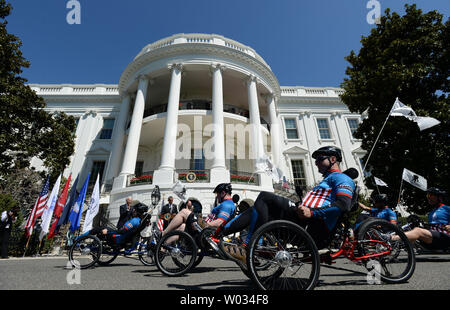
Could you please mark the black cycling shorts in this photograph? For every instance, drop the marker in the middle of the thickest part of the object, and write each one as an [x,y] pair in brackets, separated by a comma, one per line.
[440,241]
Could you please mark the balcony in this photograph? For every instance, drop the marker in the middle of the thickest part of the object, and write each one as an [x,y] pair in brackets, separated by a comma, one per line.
[195,176]
[201,105]
[143,179]
[241,177]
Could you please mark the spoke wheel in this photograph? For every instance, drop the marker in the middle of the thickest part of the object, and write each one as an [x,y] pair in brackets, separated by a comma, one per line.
[283,256]
[146,251]
[85,252]
[176,253]
[388,259]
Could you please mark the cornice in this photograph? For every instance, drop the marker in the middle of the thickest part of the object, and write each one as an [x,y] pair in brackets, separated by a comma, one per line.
[214,52]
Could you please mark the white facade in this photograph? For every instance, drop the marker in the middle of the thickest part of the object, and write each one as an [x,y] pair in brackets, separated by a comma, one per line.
[204,104]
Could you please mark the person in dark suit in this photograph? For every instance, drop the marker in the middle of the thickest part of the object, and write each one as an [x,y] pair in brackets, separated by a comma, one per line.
[7,220]
[168,212]
[126,213]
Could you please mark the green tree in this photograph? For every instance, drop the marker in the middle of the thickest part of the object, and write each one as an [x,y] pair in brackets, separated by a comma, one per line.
[406,57]
[26,129]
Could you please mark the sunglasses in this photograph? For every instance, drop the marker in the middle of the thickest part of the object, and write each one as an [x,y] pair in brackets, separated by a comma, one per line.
[321,158]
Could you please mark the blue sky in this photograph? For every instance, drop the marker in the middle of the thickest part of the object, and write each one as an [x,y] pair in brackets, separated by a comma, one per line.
[304,42]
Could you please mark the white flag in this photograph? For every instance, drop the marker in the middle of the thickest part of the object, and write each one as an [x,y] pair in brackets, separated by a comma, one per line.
[266,165]
[93,207]
[179,190]
[424,122]
[48,209]
[380,182]
[414,179]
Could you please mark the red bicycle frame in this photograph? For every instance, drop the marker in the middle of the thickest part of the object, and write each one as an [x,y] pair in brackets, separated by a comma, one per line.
[348,249]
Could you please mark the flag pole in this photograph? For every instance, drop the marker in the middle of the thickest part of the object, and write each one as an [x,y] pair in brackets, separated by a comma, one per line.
[376,185]
[376,140]
[26,246]
[400,193]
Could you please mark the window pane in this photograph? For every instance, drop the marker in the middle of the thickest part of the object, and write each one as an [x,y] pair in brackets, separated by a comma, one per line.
[298,173]
[197,161]
[290,124]
[139,168]
[353,124]
[108,125]
[324,131]
[97,168]
[291,128]
[291,133]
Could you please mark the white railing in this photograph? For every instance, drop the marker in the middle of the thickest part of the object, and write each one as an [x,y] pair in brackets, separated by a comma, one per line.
[300,91]
[200,38]
[94,89]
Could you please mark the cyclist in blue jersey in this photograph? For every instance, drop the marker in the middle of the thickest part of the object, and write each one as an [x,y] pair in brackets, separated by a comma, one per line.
[222,212]
[118,236]
[380,210]
[438,235]
[319,210]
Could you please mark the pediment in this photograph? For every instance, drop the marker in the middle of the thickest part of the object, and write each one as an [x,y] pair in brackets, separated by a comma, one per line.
[296,150]
[98,151]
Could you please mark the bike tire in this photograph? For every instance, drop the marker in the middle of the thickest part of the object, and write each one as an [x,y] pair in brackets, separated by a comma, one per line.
[287,247]
[85,252]
[375,238]
[146,252]
[176,257]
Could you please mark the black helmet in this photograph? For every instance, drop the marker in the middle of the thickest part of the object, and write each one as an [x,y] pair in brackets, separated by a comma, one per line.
[223,187]
[380,198]
[436,191]
[328,151]
[140,208]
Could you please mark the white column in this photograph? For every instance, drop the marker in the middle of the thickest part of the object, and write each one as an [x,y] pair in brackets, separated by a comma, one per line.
[164,175]
[265,181]
[119,133]
[255,121]
[134,134]
[275,136]
[218,169]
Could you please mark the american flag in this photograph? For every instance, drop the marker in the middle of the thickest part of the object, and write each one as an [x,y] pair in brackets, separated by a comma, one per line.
[285,183]
[38,208]
[160,224]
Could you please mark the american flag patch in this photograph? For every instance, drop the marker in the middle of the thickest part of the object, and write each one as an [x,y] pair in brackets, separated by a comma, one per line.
[440,228]
[316,198]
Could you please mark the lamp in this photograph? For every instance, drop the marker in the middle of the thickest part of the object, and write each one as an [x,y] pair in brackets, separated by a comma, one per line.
[156,195]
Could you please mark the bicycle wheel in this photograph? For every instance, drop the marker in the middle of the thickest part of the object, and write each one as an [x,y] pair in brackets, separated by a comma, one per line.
[85,252]
[146,251]
[176,253]
[283,256]
[388,253]
[108,255]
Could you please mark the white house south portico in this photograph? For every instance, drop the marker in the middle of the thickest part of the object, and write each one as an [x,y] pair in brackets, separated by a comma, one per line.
[200,109]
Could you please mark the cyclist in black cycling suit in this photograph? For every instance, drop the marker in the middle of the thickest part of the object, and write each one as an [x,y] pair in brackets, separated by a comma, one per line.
[320,208]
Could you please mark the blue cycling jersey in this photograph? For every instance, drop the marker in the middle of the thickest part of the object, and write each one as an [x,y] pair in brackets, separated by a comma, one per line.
[322,196]
[385,213]
[439,217]
[128,227]
[223,211]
